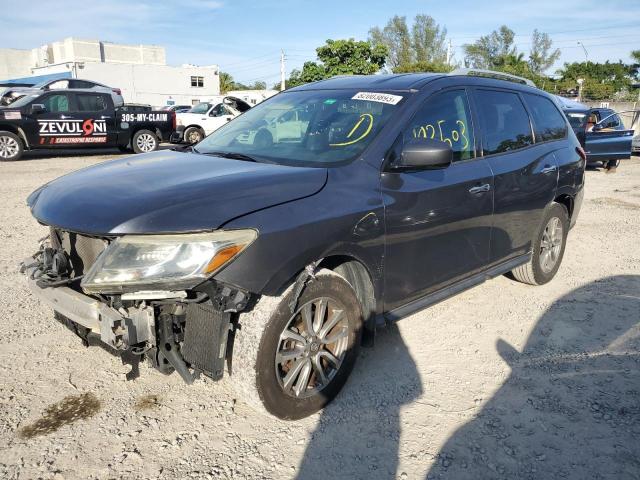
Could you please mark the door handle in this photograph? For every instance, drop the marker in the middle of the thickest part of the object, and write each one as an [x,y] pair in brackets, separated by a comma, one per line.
[63,117]
[549,169]
[480,188]
[105,117]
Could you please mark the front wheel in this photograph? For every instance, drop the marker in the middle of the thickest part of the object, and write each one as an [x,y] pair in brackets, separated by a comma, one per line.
[548,248]
[292,364]
[10,147]
[193,135]
[144,141]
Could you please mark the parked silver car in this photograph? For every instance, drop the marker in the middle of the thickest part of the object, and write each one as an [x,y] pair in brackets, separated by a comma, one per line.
[11,94]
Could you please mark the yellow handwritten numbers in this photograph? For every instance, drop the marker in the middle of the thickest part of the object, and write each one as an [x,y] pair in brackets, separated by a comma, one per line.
[457,133]
[445,117]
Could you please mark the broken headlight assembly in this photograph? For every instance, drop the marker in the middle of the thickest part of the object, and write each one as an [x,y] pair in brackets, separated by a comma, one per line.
[140,262]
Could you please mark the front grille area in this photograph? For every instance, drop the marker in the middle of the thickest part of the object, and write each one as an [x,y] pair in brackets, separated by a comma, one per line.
[81,250]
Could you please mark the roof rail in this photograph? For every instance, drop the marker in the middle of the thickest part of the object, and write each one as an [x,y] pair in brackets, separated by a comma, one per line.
[479,72]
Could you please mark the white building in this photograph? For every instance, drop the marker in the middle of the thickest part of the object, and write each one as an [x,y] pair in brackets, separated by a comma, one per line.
[252,97]
[139,71]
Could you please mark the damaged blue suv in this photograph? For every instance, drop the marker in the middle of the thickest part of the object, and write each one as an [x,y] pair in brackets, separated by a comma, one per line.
[274,247]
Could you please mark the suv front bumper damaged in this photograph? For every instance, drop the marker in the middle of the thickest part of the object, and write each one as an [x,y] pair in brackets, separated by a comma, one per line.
[175,334]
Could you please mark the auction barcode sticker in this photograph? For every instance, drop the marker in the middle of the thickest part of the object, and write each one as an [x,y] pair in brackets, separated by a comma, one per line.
[377,97]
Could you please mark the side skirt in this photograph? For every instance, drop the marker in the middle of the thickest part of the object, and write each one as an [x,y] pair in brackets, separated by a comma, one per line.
[452,290]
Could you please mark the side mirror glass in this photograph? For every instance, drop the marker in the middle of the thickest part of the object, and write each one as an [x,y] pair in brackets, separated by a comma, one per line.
[37,108]
[424,154]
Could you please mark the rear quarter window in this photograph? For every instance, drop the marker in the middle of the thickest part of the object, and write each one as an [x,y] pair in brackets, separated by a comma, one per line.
[503,120]
[548,123]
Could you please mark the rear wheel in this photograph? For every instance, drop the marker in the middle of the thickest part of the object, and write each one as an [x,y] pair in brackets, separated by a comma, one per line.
[144,141]
[548,248]
[193,135]
[10,147]
[292,364]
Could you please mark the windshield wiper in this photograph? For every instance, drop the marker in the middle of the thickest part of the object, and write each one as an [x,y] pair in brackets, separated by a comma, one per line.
[232,155]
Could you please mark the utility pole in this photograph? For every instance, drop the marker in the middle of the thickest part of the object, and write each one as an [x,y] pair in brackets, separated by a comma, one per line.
[586,55]
[449,53]
[282,85]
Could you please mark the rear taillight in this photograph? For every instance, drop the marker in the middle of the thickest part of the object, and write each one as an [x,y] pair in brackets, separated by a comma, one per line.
[582,153]
[117,91]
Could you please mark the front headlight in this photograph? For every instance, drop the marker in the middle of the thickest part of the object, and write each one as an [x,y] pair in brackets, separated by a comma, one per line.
[175,262]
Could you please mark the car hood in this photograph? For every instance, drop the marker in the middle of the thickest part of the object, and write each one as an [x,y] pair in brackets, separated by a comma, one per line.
[168,192]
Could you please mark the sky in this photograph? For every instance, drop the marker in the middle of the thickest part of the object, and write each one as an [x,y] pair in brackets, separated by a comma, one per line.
[245,38]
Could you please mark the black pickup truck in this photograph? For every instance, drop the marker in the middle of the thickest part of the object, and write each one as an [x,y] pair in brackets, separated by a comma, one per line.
[79,119]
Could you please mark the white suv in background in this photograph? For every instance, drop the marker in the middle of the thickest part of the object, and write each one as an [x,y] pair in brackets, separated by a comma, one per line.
[206,117]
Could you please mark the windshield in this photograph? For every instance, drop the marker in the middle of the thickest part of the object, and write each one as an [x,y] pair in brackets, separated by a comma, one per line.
[201,108]
[307,128]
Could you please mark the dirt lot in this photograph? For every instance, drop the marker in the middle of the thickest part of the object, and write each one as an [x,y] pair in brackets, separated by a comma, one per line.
[503,381]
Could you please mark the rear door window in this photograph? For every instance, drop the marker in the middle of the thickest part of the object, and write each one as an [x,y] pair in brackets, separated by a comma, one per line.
[445,117]
[90,103]
[503,120]
[548,123]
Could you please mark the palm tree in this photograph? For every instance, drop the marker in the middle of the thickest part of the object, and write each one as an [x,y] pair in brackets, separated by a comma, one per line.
[226,82]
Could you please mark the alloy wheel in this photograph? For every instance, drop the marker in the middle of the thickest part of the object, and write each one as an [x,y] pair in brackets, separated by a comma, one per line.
[551,245]
[312,347]
[9,147]
[146,142]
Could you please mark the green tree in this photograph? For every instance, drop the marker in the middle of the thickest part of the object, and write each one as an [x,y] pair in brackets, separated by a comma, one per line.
[617,74]
[396,38]
[428,40]
[340,57]
[635,56]
[425,42]
[440,67]
[226,82]
[487,51]
[541,55]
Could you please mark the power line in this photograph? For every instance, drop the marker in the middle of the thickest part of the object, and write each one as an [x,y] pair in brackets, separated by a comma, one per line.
[559,32]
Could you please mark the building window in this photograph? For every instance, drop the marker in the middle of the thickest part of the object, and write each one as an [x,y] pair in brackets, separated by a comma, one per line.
[197,81]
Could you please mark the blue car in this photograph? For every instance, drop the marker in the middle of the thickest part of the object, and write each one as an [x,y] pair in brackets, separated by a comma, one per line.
[601,132]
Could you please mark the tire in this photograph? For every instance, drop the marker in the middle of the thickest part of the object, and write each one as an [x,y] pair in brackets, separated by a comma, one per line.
[11,148]
[546,257]
[144,141]
[193,135]
[279,388]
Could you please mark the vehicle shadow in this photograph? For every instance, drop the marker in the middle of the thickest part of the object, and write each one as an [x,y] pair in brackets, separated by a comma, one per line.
[571,406]
[358,434]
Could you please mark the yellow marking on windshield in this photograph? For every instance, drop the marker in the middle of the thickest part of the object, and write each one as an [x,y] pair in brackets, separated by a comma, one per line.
[353,130]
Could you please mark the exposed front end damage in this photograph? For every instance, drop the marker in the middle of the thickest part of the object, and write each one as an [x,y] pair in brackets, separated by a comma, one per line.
[186,331]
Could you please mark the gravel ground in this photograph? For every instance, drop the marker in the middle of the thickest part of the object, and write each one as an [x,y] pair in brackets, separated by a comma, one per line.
[503,381]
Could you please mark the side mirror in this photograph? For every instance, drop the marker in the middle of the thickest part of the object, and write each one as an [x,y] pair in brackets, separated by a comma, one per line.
[597,127]
[424,154]
[37,108]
